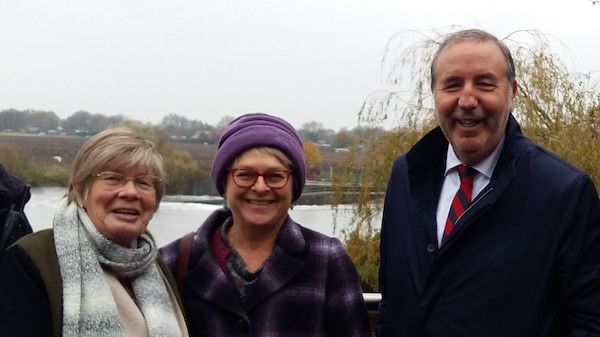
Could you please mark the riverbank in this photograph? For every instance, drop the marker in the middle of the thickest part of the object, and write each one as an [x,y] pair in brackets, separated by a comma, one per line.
[48,160]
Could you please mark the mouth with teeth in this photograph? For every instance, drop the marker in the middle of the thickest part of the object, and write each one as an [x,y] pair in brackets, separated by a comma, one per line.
[468,123]
[259,202]
[128,212]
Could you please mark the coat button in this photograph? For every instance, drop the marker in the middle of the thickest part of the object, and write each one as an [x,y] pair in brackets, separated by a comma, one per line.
[430,248]
[241,325]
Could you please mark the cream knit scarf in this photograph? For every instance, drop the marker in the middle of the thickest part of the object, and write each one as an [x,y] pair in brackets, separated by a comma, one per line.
[89,309]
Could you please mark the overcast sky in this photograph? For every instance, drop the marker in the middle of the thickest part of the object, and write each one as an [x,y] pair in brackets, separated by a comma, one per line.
[304,60]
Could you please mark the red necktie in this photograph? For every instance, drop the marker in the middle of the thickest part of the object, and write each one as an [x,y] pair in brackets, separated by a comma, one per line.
[462,198]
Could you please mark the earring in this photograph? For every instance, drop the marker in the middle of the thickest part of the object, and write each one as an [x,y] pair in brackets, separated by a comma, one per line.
[292,206]
[225,205]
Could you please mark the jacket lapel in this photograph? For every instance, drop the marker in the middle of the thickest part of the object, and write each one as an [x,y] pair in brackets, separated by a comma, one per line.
[282,268]
[503,174]
[205,278]
[426,162]
[283,264]
[212,285]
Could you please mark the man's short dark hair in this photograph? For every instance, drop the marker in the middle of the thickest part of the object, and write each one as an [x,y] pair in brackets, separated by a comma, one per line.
[474,34]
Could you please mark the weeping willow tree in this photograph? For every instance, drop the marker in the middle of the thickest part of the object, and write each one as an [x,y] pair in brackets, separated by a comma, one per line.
[556,108]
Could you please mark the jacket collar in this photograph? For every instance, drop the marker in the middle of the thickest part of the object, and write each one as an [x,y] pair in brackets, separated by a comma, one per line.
[428,151]
[208,281]
[426,164]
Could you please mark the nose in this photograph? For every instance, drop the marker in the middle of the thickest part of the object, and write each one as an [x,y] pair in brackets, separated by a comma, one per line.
[129,187]
[467,99]
[260,184]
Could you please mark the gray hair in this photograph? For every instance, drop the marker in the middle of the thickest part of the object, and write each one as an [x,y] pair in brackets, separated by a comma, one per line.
[114,149]
[475,34]
[272,152]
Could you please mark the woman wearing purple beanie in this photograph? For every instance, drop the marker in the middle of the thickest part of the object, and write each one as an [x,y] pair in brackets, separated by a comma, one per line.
[252,270]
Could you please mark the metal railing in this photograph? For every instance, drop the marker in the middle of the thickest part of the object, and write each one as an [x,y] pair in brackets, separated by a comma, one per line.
[372,301]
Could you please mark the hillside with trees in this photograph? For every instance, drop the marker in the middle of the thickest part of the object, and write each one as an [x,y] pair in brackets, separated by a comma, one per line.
[39,146]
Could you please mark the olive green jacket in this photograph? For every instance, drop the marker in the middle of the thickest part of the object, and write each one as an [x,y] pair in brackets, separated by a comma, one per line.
[40,247]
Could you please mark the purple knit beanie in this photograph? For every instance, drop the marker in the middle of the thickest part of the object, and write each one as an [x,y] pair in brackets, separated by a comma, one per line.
[254,130]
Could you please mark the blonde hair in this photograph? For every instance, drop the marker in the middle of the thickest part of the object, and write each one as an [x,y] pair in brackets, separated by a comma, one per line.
[114,149]
[272,152]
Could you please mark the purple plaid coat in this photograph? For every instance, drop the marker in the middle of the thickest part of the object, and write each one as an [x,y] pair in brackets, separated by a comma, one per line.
[308,287]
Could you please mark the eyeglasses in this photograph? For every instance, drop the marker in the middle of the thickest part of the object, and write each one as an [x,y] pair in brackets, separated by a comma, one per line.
[114,180]
[245,177]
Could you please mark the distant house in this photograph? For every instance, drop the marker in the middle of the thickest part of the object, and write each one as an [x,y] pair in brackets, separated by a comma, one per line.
[206,136]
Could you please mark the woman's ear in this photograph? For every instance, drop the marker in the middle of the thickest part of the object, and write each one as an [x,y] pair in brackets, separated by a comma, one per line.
[80,199]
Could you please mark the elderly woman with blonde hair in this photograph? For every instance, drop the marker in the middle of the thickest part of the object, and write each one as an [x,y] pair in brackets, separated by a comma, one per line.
[96,272]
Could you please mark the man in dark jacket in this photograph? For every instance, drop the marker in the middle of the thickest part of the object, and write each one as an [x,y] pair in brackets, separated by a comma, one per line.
[517,251]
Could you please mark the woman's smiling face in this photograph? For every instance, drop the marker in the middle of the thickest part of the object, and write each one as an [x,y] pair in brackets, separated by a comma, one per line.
[120,213]
[259,204]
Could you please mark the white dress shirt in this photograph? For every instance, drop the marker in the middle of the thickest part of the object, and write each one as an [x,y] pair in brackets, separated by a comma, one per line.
[484,169]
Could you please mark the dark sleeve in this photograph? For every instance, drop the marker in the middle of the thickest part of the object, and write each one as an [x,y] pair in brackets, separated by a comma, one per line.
[346,310]
[383,321]
[24,304]
[579,264]
[380,325]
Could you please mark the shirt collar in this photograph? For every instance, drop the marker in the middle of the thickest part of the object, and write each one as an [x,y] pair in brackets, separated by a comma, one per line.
[485,167]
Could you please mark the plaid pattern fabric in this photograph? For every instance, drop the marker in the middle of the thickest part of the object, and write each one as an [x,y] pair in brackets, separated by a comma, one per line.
[308,287]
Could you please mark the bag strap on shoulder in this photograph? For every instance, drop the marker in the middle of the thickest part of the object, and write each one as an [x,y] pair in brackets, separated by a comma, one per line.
[183,258]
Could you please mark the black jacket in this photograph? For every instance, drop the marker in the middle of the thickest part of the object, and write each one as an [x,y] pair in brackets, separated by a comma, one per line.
[523,261]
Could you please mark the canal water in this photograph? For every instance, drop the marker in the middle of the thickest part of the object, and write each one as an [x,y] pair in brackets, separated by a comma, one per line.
[174,219]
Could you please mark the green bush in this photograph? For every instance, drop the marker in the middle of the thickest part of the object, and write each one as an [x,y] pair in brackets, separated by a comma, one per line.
[45,175]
